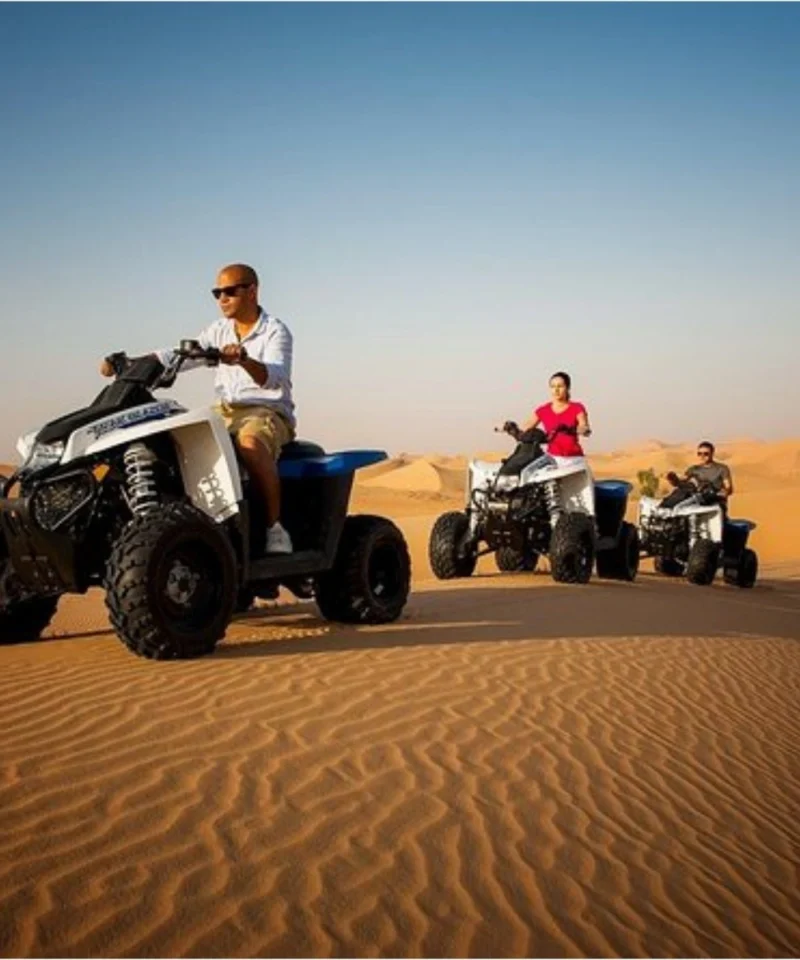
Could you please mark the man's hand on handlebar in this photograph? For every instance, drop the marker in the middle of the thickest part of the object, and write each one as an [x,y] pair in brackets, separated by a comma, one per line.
[232,354]
[113,364]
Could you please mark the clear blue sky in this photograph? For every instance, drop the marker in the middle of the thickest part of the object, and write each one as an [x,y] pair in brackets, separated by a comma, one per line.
[445,202]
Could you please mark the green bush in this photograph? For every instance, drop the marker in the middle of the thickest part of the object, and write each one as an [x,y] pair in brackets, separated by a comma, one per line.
[648,482]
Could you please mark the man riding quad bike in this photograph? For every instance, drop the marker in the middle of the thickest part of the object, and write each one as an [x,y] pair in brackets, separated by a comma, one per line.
[689,534]
[532,504]
[149,500]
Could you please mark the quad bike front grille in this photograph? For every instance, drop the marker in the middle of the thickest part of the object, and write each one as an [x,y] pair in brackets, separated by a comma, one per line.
[57,501]
[664,536]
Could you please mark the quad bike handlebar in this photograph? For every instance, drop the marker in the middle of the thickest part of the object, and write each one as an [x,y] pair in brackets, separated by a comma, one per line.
[191,350]
[149,371]
[511,427]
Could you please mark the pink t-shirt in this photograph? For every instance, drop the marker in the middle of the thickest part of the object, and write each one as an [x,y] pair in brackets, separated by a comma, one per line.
[562,444]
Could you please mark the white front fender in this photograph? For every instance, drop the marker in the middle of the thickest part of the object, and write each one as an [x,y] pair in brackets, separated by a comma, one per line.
[206,456]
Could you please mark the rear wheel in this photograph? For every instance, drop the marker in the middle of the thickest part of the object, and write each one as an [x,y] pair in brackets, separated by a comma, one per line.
[622,561]
[446,552]
[572,548]
[511,560]
[171,584]
[701,567]
[668,567]
[371,576]
[744,573]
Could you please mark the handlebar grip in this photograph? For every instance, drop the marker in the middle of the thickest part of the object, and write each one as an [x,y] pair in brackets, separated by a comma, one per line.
[117,361]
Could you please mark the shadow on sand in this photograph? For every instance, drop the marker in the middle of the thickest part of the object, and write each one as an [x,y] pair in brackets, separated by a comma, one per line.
[530,607]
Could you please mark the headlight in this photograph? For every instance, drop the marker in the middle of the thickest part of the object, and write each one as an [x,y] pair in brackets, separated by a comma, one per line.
[43,455]
[25,445]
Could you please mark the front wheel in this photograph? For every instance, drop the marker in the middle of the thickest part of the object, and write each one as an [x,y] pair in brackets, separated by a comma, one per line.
[371,575]
[171,584]
[446,548]
[703,561]
[572,547]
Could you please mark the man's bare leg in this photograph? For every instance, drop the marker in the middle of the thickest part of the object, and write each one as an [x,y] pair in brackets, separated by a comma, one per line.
[264,473]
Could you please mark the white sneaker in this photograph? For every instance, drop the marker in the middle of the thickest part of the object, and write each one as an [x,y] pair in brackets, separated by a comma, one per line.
[278,539]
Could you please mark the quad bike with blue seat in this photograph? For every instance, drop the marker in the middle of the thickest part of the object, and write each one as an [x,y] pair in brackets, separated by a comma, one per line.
[689,534]
[148,500]
[533,504]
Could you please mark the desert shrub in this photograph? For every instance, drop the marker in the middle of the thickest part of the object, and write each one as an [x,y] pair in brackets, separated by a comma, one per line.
[648,482]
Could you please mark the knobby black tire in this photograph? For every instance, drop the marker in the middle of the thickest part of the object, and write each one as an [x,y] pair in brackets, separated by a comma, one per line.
[745,573]
[668,567]
[622,561]
[371,575]
[572,547]
[701,566]
[511,560]
[135,607]
[24,621]
[444,547]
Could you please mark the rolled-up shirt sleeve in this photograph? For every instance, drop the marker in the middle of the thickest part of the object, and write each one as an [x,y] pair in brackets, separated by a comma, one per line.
[277,358]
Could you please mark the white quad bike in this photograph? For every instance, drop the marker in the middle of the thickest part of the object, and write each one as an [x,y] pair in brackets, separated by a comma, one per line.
[532,504]
[149,500]
[688,535]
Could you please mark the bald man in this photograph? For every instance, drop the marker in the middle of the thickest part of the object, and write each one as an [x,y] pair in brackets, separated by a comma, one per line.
[253,385]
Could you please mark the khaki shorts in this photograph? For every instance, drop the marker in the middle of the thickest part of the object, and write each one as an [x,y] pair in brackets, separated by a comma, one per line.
[269,426]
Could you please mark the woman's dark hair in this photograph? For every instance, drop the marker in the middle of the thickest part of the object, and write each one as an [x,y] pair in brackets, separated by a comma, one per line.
[565,377]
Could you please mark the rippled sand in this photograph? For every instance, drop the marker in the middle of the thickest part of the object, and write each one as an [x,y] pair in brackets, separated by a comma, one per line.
[515,768]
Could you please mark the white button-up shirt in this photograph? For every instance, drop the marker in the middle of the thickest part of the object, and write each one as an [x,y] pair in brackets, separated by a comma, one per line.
[269,342]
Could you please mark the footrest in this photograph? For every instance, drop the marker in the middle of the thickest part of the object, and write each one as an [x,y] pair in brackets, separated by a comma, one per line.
[281,565]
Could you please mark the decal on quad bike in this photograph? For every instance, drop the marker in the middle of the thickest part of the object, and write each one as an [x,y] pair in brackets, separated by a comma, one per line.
[130,418]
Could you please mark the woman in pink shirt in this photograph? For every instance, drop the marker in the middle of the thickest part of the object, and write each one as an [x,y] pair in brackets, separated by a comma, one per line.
[563,420]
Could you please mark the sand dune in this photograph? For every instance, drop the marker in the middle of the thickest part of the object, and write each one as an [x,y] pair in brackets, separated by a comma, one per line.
[421,475]
[515,768]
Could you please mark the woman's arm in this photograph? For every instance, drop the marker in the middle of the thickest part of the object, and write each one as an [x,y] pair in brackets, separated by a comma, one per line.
[584,430]
[511,428]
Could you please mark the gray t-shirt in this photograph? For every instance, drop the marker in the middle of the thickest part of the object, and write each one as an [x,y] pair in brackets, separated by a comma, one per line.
[711,473]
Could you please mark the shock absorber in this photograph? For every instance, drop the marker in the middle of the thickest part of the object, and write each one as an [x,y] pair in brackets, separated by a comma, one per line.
[695,531]
[553,501]
[140,477]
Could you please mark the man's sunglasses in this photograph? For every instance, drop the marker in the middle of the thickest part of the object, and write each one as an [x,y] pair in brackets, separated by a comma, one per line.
[703,453]
[217,292]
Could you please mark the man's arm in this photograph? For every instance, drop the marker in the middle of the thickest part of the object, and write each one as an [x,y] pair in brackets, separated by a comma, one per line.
[234,354]
[727,482]
[206,340]
[278,358]
[166,357]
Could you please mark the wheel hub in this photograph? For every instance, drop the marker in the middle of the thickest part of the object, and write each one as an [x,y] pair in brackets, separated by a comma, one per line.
[181,584]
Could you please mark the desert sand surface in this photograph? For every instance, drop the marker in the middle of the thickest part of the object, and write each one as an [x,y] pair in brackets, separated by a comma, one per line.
[514,768]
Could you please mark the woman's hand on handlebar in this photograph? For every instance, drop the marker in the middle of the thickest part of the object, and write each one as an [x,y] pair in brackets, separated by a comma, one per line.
[510,427]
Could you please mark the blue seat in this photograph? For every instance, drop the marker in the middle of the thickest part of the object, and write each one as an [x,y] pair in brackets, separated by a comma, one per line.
[613,489]
[309,460]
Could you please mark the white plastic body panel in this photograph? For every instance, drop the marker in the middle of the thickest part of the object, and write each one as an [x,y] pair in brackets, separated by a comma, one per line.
[205,450]
[574,476]
[708,518]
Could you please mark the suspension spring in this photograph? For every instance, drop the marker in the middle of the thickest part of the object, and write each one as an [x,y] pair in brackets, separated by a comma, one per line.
[140,476]
[553,501]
